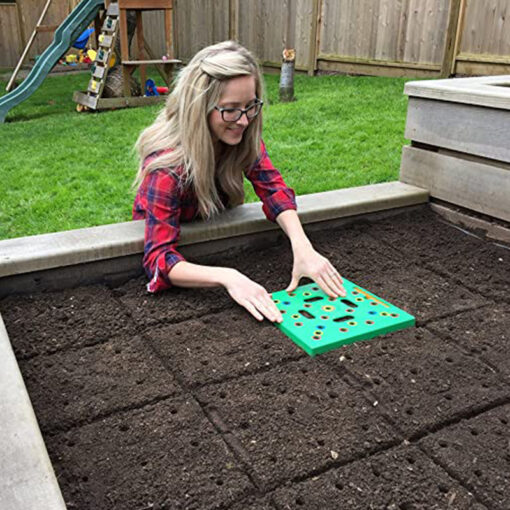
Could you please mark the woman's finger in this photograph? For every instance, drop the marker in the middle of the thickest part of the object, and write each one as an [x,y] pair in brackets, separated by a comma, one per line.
[326,287]
[268,308]
[335,281]
[251,308]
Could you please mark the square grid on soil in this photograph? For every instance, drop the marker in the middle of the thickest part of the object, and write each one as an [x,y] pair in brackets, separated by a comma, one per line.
[183,401]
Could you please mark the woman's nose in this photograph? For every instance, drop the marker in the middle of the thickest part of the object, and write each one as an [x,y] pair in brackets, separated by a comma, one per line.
[243,121]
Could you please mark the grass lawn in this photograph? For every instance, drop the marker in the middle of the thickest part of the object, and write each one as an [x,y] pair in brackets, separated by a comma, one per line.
[61,170]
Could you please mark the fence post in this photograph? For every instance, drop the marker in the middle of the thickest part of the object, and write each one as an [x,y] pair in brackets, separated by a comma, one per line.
[455,15]
[314,36]
[233,20]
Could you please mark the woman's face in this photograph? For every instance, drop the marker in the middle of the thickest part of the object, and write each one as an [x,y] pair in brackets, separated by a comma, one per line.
[238,92]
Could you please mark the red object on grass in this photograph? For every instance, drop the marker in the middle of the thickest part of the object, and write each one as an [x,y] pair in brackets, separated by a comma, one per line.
[162,90]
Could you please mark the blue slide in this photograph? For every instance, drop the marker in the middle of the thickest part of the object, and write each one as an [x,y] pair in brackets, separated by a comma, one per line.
[65,35]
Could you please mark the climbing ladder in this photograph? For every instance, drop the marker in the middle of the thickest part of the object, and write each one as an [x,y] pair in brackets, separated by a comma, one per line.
[106,48]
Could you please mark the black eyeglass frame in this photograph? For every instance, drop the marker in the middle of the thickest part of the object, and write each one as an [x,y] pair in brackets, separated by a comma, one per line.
[242,111]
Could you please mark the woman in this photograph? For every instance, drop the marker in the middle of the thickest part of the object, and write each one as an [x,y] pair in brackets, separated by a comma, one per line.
[193,159]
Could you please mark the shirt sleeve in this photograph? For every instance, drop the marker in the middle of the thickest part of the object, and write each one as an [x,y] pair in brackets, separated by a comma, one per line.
[158,202]
[270,187]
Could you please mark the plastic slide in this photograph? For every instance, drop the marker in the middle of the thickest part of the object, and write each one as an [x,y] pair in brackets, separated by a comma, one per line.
[65,35]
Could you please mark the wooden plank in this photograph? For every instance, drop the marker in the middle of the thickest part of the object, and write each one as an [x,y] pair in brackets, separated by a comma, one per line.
[379,63]
[149,62]
[375,70]
[460,127]
[233,20]
[10,36]
[476,185]
[451,37]
[459,34]
[46,28]
[145,4]
[314,36]
[482,68]
[459,217]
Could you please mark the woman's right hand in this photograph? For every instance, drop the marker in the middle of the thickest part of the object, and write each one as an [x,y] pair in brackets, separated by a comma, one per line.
[252,296]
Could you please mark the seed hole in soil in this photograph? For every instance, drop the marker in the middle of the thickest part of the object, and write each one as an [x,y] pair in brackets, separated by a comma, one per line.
[71,443]
[300,501]
[448,397]
[449,359]
[173,410]
[66,403]
[474,432]
[265,382]
[219,482]
[273,459]
[410,460]
[244,425]
[124,427]
[117,350]
[376,471]
[204,362]
[333,394]
[193,442]
[223,395]
[84,478]
[339,486]
[291,410]
[409,412]
[443,443]
[442,488]
[477,473]
[413,371]
[320,442]
[376,381]
[266,346]
[364,427]
[405,506]
[504,421]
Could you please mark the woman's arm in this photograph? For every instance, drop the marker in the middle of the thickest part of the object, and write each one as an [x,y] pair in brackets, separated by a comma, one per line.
[308,262]
[244,291]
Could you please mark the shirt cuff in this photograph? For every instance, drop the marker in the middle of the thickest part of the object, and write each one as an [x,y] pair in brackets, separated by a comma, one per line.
[164,263]
[282,200]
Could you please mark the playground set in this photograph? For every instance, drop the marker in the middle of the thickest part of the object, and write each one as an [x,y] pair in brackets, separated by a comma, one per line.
[110,20]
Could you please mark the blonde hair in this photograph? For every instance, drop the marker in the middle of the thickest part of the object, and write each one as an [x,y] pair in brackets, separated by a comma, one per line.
[182,126]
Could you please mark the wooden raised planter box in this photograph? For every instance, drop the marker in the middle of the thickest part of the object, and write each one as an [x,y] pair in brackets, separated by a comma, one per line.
[460,142]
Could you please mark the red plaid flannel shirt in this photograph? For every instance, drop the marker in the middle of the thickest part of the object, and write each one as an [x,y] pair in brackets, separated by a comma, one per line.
[164,203]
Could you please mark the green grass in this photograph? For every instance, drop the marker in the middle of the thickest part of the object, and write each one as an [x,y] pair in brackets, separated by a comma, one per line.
[61,170]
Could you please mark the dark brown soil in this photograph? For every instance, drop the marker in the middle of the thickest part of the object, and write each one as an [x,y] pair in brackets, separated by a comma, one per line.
[183,401]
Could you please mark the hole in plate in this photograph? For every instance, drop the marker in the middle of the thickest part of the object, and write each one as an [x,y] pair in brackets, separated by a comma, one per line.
[315,337]
[295,316]
[328,308]
[384,314]
[354,292]
[343,330]
[298,324]
[394,314]
[359,299]
[372,312]
[317,333]
[344,318]
[307,293]
[276,301]
[286,303]
[313,299]
[306,305]
[369,322]
[373,303]
[306,314]
[352,323]
[349,303]
[321,326]
[324,317]
[315,288]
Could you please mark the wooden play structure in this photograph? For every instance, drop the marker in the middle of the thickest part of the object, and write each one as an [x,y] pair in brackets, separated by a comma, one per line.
[115,27]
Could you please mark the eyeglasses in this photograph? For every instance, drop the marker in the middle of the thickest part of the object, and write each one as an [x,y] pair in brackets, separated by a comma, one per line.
[234,114]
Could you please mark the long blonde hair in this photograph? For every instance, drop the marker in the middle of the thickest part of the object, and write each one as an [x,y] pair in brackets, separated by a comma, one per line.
[182,126]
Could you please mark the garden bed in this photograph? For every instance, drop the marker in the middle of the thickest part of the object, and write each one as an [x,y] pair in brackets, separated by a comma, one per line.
[182,400]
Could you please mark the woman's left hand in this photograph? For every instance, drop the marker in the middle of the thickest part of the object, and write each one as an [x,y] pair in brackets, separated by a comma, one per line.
[310,263]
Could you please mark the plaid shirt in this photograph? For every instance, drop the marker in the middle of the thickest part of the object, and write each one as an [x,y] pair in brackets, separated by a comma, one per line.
[164,203]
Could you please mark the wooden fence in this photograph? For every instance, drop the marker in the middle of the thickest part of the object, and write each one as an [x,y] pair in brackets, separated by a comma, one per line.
[375,37]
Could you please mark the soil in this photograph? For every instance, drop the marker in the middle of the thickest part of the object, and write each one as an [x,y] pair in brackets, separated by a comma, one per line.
[183,401]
